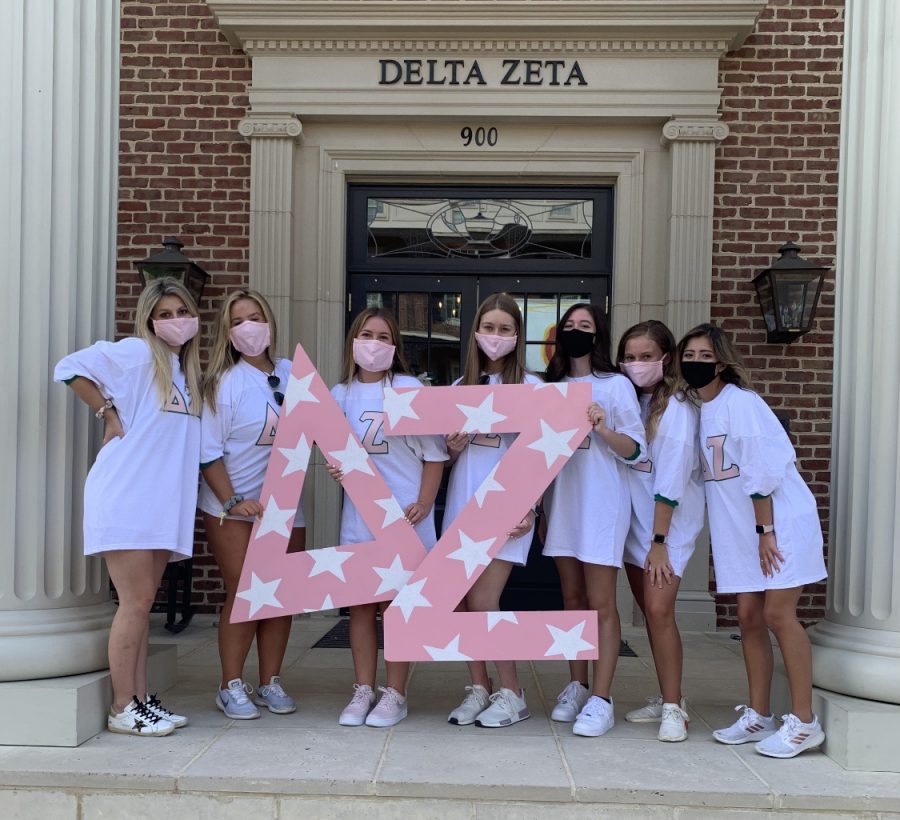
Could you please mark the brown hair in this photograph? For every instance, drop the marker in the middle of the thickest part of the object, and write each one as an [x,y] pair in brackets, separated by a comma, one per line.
[513,371]
[559,366]
[734,372]
[671,384]
[350,367]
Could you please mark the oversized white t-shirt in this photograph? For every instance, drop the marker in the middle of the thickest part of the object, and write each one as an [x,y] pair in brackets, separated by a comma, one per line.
[470,470]
[398,458]
[744,451]
[241,432]
[588,506]
[141,492]
[671,470]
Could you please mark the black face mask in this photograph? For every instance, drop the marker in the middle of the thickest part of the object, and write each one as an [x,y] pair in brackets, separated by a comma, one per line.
[576,343]
[698,374]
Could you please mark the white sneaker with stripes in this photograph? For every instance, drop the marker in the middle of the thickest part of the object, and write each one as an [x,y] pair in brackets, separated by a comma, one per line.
[750,727]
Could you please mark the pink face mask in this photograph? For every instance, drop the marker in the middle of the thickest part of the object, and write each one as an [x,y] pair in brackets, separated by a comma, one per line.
[496,347]
[372,355]
[177,331]
[644,374]
[250,338]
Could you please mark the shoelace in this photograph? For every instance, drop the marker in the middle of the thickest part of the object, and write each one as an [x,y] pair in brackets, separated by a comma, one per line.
[389,697]
[670,710]
[274,688]
[472,697]
[570,693]
[239,693]
[155,705]
[792,729]
[360,694]
[144,712]
[502,699]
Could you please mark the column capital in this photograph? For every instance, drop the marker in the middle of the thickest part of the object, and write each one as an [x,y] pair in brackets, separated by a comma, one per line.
[693,130]
[282,126]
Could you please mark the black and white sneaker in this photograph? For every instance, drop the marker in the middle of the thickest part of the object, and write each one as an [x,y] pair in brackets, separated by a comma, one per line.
[137,719]
[154,705]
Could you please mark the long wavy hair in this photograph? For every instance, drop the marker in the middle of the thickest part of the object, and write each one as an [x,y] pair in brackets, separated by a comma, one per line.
[671,384]
[513,371]
[735,371]
[350,368]
[224,354]
[560,364]
[188,356]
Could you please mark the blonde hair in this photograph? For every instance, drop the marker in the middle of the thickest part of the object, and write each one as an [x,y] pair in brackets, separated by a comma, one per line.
[671,384]
[513,371]
[224,354]
[350,367]
[188,356]
[735,371]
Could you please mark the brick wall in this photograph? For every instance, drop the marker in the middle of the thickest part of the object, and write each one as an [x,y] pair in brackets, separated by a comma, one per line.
[776,179]
[184,170]
[183,167]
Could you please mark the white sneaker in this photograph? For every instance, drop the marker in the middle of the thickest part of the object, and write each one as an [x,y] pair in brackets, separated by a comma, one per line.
[673,727]
[750,727]
[360,705]
[506,708]
[793,737]
[154,705]
[391,708]
[570,702]
[477,699]
[595,719]
[137,719]
[235,701]
[651,711]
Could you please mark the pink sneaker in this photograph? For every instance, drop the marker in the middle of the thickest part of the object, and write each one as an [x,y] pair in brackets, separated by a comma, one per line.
[391,709]
[355,712]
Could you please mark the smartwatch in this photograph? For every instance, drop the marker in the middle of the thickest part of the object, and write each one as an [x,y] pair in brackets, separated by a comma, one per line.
[764,529]
[659,538]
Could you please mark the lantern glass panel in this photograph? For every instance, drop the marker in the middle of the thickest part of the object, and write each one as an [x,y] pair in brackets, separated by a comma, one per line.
[796,296]
[766,301]
[167,269]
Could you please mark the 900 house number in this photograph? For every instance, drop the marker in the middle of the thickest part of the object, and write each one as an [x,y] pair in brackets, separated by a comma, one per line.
[478,136]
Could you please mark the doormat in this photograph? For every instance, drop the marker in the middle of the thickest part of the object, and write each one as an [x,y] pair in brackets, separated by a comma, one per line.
[338,637]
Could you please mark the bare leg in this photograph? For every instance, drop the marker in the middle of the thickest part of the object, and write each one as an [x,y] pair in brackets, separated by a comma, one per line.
[477,669]
[781,617]
[229,546]
[271,642]
[574,595]
[160,560]
[364,643]
[665,640]
[297,541]
[132,572]
[757,648]
[600,582]
[484,596]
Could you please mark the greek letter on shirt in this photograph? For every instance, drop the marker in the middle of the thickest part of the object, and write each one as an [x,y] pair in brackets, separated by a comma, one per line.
[719,471]
[373,439]
[267,435]
[176,403]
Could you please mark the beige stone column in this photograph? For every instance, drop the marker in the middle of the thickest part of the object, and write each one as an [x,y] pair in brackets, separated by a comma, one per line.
[692,147]
[59,95]
[273,138]
[856,649]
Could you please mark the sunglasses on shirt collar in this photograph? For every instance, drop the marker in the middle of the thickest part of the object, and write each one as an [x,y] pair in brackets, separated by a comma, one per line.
[274,381]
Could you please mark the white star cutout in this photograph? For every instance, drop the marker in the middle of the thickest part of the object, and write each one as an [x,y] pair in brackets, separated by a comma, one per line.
[552,443]
[397,405]
[473,554]
[563,387]
[275,519]
[411,597]
[480,419]
[297,458]
[298,390]
[489,485]
[450,652]
[494,618]
[392,577]
[568,644]
[392,510]
[261,594]
[328,559]
[326,605]
[353,458]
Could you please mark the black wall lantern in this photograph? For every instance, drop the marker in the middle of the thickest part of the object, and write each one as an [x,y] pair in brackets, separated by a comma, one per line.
[788,294]
[173,263]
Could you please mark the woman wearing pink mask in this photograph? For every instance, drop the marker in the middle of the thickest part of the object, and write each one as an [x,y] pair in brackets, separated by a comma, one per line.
[667,512]
[496,355]
[140,494]
[588,508]
[243,392]
[411,466]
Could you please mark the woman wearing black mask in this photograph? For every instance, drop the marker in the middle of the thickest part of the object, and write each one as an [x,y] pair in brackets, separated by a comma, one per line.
[589,508]
[766,538]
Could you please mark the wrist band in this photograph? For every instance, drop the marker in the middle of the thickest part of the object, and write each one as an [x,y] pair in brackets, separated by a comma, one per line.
[101,412]
[228,505]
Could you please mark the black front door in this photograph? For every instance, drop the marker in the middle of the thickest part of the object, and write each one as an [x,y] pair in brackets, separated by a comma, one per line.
[432,255]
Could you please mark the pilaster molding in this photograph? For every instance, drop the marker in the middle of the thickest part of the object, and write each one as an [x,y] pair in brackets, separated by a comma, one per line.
[283,127]
[693,130]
